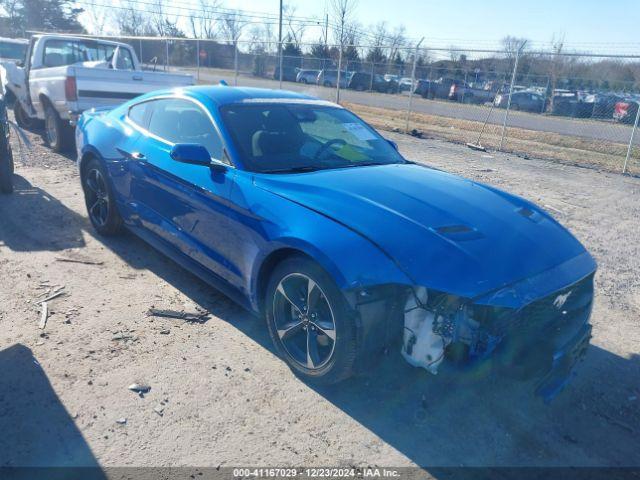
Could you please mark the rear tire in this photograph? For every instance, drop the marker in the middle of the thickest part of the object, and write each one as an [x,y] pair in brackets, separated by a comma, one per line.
[301,326]
[57,133]
[100,199]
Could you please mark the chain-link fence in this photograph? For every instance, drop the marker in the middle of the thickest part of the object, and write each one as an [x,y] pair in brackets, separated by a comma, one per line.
[575,108]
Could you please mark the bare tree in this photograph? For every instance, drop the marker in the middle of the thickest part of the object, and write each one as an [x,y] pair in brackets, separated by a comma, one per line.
[342,12]
[296,29]
[231,25]
[98,17]
[557,44]
[204,21]
[395,42]
[132,21]
[510,45]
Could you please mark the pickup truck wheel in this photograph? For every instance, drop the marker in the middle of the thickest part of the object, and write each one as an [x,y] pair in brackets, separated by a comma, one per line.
[56,131]
[6,169]
[100,200]
[309,322]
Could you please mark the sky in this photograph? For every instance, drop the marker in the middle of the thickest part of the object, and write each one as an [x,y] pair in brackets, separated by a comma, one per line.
[587,25]
[584,23]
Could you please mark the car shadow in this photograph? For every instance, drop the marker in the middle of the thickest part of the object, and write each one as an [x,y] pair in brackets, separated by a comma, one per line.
[32,220]
[469,419]
[39,436]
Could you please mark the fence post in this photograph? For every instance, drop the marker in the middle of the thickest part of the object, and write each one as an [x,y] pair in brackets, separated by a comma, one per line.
[166,53]
[198,59]
[413,81]
[372,74]
[338,75]
[235,62]
[633,133]
[513,81]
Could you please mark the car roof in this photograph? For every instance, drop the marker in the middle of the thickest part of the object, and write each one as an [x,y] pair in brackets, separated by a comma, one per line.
[225,95]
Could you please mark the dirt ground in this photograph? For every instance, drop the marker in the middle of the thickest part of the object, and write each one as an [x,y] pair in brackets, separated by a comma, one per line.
[220,396]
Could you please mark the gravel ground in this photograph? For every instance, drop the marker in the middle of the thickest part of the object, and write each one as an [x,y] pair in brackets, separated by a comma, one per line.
[219,395]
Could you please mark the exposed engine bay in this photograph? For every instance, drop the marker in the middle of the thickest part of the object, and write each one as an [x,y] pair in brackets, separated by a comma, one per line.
[538,339]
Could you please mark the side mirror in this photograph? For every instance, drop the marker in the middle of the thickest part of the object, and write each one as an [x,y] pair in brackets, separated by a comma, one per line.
[392,143]
[191,153]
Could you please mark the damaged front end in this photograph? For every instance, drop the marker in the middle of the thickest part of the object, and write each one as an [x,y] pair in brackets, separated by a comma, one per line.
[541,339]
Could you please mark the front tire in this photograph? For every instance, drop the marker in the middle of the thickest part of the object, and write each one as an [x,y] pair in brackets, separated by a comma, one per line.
[309,322]
[100,200]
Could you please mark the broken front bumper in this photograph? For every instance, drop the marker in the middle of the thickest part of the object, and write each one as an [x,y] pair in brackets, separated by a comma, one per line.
[563,363]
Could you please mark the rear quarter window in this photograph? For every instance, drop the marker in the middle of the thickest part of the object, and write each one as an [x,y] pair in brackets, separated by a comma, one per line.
[138,114]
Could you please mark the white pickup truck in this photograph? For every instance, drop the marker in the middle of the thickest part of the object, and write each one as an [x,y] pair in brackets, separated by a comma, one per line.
[65,75]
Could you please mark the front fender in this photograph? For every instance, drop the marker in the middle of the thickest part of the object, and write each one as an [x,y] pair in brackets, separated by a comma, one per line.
[350,258]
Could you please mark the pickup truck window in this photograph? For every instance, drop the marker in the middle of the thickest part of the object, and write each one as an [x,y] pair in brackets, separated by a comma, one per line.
[181,121]
[58,53]
[124,60]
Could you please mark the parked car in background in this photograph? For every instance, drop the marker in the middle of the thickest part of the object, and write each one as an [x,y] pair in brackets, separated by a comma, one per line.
[524,100]
[422,87]
[570,103]
[364,81]
[329,78]
[289,74]
[389,77]
[438,88]
[465,93]
[307,76]
[626,111]
[13,49]
[12,55]
[405,84]
[604,104]
[66,75]
[304,214]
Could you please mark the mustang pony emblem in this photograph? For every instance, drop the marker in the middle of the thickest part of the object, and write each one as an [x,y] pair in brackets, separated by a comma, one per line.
[561,299]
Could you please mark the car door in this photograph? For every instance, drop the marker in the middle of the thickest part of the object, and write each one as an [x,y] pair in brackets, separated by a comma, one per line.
[187,206]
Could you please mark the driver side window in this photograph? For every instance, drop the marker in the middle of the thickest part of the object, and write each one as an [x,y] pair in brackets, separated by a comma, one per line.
[181,121]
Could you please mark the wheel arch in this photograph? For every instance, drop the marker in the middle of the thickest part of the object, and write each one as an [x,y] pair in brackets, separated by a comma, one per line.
[276,256]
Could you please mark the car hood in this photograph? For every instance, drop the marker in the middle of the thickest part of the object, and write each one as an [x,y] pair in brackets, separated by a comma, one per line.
[445,232]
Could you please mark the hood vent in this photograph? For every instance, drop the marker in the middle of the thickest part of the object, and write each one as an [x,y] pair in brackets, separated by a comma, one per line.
[458,233]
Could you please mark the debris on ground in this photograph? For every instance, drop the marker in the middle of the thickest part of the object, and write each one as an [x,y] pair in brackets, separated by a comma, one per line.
[78,260]
[195,317]
[123,336]
[51,295]
[44,314]
[139,388]
[416,133]
[55,295]
[159,409]
[166,331]
[121,421]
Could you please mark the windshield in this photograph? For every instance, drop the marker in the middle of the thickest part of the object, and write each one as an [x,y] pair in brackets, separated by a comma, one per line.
[15,51]
[286,137]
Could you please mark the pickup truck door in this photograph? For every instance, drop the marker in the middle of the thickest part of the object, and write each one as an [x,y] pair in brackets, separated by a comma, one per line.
[187,206]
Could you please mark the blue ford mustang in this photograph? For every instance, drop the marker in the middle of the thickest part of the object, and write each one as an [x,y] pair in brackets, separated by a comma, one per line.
[300,211]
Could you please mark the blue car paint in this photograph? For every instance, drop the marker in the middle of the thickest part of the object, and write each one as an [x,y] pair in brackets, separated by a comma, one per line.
[392,224]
